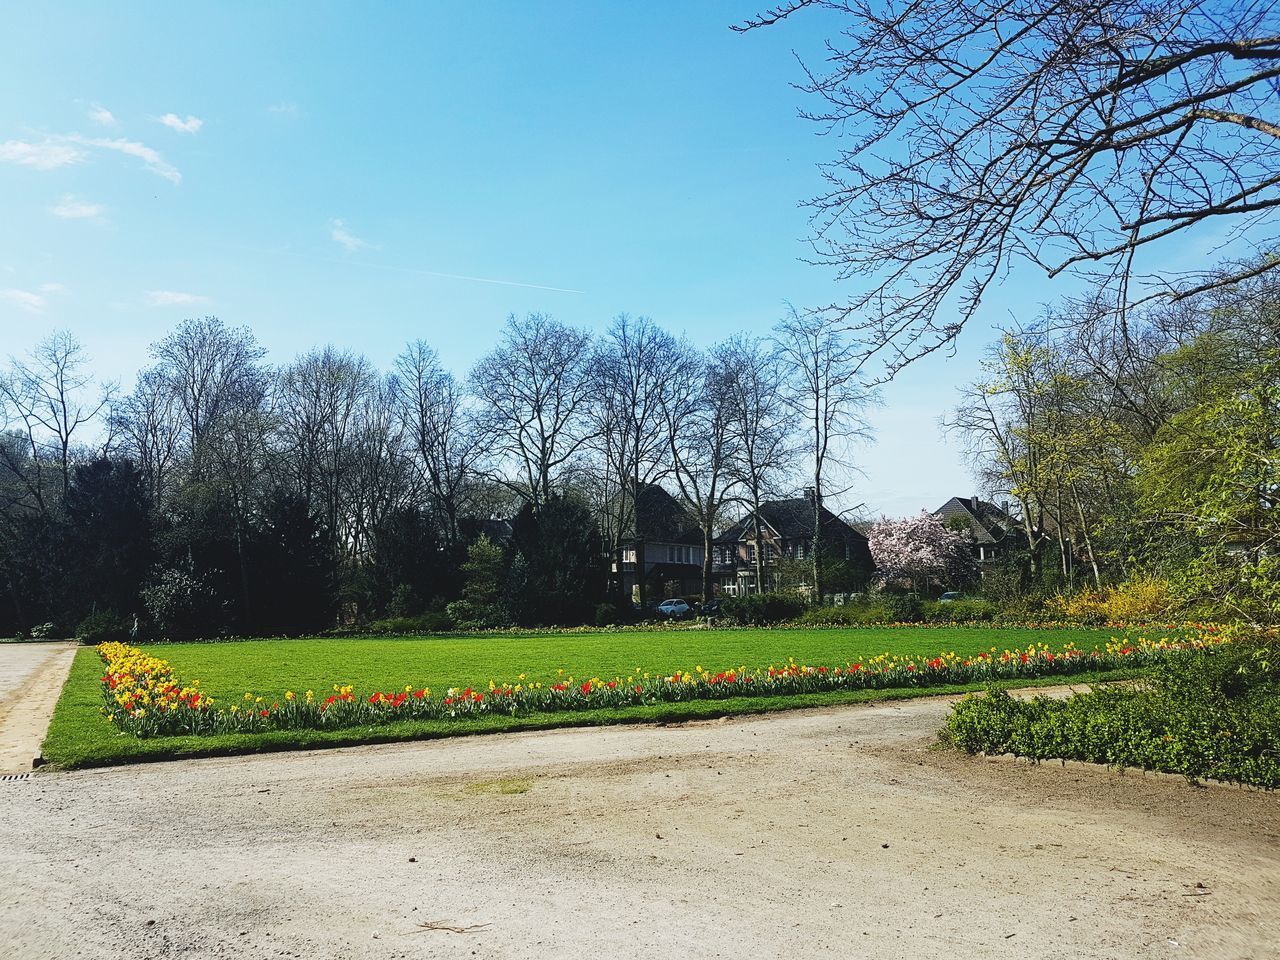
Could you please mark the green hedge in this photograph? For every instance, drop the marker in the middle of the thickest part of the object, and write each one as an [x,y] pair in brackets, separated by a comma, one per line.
[890,608]
[1212,716]
[433,622]
[763,609]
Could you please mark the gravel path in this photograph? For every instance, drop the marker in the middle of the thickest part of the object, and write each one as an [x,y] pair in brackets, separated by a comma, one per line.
[835,833]
[31,677]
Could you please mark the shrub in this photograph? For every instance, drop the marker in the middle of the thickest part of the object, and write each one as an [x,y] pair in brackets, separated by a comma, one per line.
[430,622]
[1024,609]
[958,611]
[861,614]
[404,602]
[1084,606]
[101,627]
[1138,600]
[903,607]
[1211,715]
[472,615]
[763,609]
[612,615]
[184,605]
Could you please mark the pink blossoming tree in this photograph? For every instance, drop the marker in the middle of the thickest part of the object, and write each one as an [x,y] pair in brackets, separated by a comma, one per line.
[919,551]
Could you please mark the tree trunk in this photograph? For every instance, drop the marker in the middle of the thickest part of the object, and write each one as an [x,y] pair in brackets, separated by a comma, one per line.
[1032,539]
[817,541]
[1088,541]
[1067,571]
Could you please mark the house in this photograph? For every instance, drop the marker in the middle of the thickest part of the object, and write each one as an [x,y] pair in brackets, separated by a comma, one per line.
[494,528]
[786,533]
[664,548]
[993,532]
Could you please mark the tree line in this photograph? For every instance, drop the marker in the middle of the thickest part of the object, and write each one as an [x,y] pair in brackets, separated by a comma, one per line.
[1145,442]
[225,494]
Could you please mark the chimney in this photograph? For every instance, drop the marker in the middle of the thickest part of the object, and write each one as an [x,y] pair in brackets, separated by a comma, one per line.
[810,494]
[975,503]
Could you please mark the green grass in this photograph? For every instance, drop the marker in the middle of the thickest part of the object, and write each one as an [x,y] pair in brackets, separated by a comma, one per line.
[78,735]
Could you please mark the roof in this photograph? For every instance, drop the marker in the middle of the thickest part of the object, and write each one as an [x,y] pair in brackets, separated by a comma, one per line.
[987,522]
[660,516]
[791,519]
[495,528]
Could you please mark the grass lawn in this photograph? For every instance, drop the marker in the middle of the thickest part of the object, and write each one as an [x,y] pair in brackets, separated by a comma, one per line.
[79,736]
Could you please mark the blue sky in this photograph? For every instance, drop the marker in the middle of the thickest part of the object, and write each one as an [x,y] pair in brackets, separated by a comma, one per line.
[367,174]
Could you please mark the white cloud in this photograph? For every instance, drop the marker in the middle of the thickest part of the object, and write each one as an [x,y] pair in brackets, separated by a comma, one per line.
[154,162]
[283,107]
[46,155]
[172,298]
[341,235]
[175,122]
[55,152]
[71,208]
[52,288]
[24,299]
[102,116]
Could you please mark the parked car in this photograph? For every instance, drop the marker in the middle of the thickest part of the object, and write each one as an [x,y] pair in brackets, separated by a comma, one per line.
[950,596]
[710,609]
[675,608]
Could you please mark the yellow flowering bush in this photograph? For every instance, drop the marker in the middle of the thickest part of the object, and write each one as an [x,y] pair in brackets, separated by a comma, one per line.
[1140,600]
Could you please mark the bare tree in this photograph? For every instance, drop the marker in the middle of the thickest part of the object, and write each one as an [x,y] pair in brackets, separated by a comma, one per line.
[760,423]
[214,371]
[441,429]
[148,423]
[826,395]
[320,398]
[236,452]
[632,371]
[383,477]
[534,396]
[1071,136]
[53,397]
[697,411]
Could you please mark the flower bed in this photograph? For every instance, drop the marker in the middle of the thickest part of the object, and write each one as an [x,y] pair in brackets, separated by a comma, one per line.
[144,697]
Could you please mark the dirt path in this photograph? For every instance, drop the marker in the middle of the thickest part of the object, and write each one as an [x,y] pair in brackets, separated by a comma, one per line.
[31,677]
[827,833]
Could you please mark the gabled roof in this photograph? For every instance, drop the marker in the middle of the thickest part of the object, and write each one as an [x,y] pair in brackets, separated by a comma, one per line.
[495,528]
[987,522]
[660,516]
[790,519]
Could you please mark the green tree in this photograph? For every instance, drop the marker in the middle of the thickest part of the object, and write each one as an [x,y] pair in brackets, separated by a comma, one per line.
[484,575]
[1212,479]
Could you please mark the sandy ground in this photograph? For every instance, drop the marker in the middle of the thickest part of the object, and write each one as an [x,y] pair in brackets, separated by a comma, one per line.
[31,677]
[828,833]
